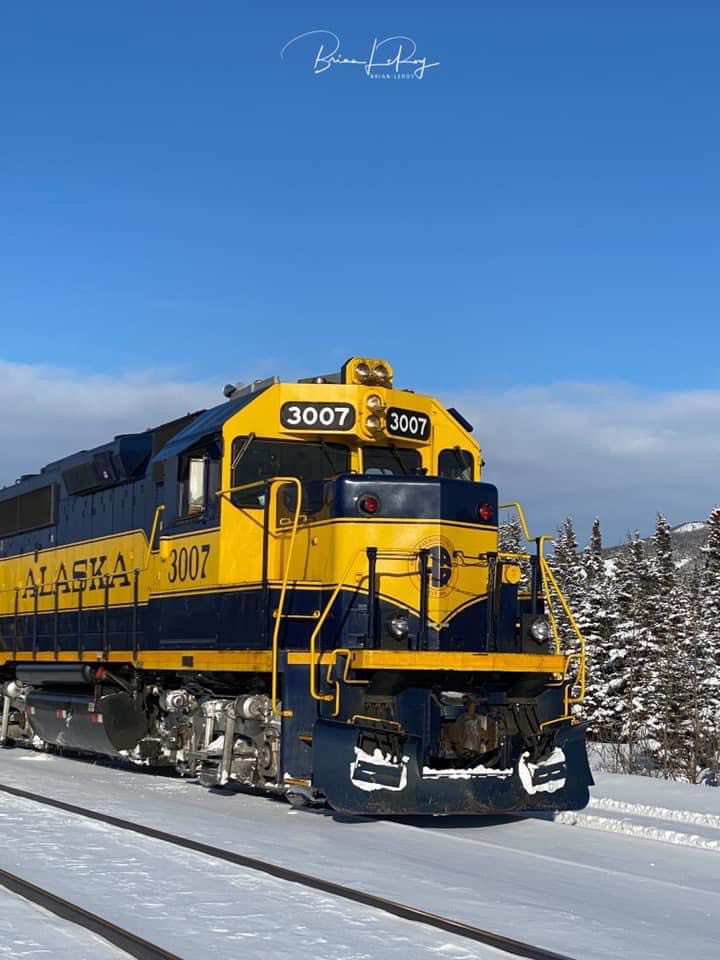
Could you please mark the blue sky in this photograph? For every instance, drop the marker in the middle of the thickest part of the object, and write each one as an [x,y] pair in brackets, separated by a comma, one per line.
[542,207]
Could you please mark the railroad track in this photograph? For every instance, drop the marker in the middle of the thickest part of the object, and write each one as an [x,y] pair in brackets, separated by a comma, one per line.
[130,943]
[510,946]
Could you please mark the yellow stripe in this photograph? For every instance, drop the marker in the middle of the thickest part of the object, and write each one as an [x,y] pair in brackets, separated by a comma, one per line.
[439,660]
[242,661]
[260,661]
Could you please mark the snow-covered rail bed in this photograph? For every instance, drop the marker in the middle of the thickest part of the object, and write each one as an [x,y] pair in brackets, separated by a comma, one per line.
[148,951]
[579,892]
[653,810]
[129,943]
[32,933]
[650,823]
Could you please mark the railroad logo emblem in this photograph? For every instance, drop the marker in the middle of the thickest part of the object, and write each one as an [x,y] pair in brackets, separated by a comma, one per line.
[442,570]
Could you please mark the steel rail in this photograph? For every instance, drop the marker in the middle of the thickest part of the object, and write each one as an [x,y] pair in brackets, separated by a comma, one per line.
[500,942]
[128,942]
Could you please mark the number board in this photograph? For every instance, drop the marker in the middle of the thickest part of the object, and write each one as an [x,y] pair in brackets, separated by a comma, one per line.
[407,423]
[317,416]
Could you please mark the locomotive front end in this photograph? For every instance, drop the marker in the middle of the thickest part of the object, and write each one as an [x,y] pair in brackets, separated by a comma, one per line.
[420,665]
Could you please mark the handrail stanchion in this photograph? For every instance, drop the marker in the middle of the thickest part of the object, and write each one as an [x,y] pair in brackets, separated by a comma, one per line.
[423,605]
[371,599]
[283,590]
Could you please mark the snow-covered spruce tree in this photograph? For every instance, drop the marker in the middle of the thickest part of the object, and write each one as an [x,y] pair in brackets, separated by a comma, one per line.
[709,639]
[510,536]
[664,679]
[595,619]
[695,668]
[627,663]
[512,540]
[568,570]
[593,560]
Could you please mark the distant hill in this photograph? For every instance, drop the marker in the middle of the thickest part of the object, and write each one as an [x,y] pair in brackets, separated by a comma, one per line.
[688,539]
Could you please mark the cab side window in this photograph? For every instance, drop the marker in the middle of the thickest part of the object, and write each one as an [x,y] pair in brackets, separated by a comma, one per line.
[456,463]
[193,485]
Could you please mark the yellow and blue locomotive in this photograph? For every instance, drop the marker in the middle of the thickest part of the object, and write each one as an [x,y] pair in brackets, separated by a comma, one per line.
[301,590]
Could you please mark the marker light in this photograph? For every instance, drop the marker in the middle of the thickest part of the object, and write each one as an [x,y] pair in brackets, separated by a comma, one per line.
[374,401]
[373,422]
[485,512]
[369,503]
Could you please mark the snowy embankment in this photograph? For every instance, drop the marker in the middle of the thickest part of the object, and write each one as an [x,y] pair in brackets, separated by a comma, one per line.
[593,895]
[652,809]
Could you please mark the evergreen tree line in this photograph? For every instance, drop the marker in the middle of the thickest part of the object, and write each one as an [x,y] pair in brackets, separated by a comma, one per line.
[653,647]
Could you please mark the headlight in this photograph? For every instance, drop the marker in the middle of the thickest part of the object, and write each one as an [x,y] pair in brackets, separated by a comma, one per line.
[381,373]
[398,626]
[362,372]
[540,630]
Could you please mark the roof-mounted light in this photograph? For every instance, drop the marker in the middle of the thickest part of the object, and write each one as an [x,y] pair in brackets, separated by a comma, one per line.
[367,371]
[362,372]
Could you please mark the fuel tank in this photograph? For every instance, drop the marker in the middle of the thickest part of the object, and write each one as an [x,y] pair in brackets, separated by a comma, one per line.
[107,723]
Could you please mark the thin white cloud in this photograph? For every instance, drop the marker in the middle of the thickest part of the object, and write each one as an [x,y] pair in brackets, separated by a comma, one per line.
[49,412]
[607,449]
[584,449]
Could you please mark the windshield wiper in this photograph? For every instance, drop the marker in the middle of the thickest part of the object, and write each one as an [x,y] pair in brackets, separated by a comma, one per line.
[242,451]
[394,451]
[462,463]
[335,472]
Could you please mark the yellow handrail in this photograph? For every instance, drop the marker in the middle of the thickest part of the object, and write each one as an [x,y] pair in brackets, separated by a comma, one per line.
[270,483]
[345,677]
[549,585]
[318,627]
[153,530]
[513,504]
[283,590]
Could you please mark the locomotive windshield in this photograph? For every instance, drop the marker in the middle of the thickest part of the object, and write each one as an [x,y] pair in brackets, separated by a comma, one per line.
[264,459]
[391,461]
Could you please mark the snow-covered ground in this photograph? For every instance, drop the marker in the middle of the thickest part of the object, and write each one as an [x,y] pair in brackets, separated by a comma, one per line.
[618,889]
[31,933]
[654,809]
